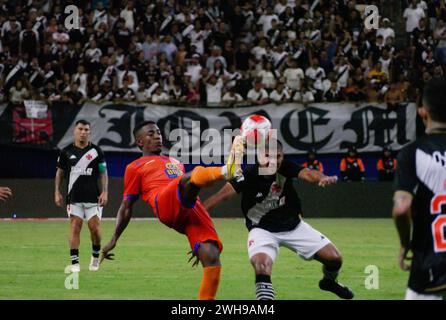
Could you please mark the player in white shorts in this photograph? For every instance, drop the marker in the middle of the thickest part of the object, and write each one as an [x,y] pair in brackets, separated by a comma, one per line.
[273,217]
[82,164]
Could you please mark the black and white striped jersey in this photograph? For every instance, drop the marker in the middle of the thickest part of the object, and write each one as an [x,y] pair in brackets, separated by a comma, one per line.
[421,170]
[81,168]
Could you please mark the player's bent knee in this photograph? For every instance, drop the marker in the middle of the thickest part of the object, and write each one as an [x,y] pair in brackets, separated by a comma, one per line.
[209,254]
[262,264]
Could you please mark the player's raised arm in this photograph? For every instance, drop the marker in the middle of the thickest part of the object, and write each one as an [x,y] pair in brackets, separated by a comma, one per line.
[223,194]
[314,176]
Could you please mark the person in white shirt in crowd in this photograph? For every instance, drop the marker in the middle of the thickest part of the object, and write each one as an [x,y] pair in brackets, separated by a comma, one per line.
[342,71]
[304,95]
[215,55]
[257,95]
[99,15]
[259,50]
[279,56]
[129,15]
[294,76]
[194,69]
[232,97]
[280,94]
[18,93]
[268,76]
[160,97]
[413,14]
[385,30]
[280,7]
[266,18]
[214,89]
[314,71]
[81,77]
[93,54]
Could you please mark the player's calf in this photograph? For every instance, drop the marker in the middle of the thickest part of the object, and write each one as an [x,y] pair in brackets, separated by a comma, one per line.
[331,260]
[209,255]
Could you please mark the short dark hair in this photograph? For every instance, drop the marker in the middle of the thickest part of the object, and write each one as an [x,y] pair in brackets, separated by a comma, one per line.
[434,98]
[83,121]
[140,125]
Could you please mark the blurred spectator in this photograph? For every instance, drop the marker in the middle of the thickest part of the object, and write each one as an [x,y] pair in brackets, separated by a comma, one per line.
[312,162]
[352,167]
[280,94]
[159,96]
[393,97]
[333,94]
[231,97]
[386,165]
[18,93]
[214,89]
[257,95]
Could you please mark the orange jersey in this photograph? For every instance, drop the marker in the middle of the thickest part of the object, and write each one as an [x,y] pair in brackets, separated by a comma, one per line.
[147,175]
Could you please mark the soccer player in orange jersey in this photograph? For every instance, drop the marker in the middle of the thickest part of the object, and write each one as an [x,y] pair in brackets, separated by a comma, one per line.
[161,181]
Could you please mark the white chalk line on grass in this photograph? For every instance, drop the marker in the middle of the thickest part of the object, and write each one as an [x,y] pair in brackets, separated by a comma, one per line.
[103,219]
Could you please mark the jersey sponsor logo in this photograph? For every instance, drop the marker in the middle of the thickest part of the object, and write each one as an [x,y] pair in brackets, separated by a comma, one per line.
[173,170]
[259,195]
[82,171]
[72,157]
[250,243]
[81,167]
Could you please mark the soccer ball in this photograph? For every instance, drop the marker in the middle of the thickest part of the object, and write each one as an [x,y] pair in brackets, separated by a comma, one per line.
[256,130]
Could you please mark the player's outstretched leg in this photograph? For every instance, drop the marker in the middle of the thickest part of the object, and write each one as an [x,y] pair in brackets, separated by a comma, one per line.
[75,230]
[209,255]
[202,177]
[331,260]
[262,264]
[95,232]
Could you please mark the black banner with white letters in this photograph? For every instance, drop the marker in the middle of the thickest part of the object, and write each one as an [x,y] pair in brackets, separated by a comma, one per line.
[327,127]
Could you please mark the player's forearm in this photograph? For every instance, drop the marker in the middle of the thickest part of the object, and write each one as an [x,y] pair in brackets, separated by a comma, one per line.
[212,202]
[402,223]
[104,182]
[122,220]
[402,202]
[312,176]
[58,181]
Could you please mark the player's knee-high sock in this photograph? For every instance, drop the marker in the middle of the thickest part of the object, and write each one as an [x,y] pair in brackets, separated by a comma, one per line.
[202,176]
[330,274]
[96,249]
[264,287]
[74,253]
[209,283]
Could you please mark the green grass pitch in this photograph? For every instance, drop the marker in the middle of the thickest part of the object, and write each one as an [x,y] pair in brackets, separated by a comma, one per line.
[151,262]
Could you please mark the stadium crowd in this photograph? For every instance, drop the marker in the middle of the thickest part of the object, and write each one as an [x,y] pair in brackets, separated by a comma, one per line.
[215,52]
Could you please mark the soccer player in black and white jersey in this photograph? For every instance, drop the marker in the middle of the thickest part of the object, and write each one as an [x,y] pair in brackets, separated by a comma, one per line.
[82,164]
[420,200]
[273,216]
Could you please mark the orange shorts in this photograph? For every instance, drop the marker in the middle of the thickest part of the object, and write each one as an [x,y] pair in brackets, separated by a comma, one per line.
[190,219]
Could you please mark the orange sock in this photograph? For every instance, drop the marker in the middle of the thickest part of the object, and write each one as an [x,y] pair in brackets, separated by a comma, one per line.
[202,176]
[209,283]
